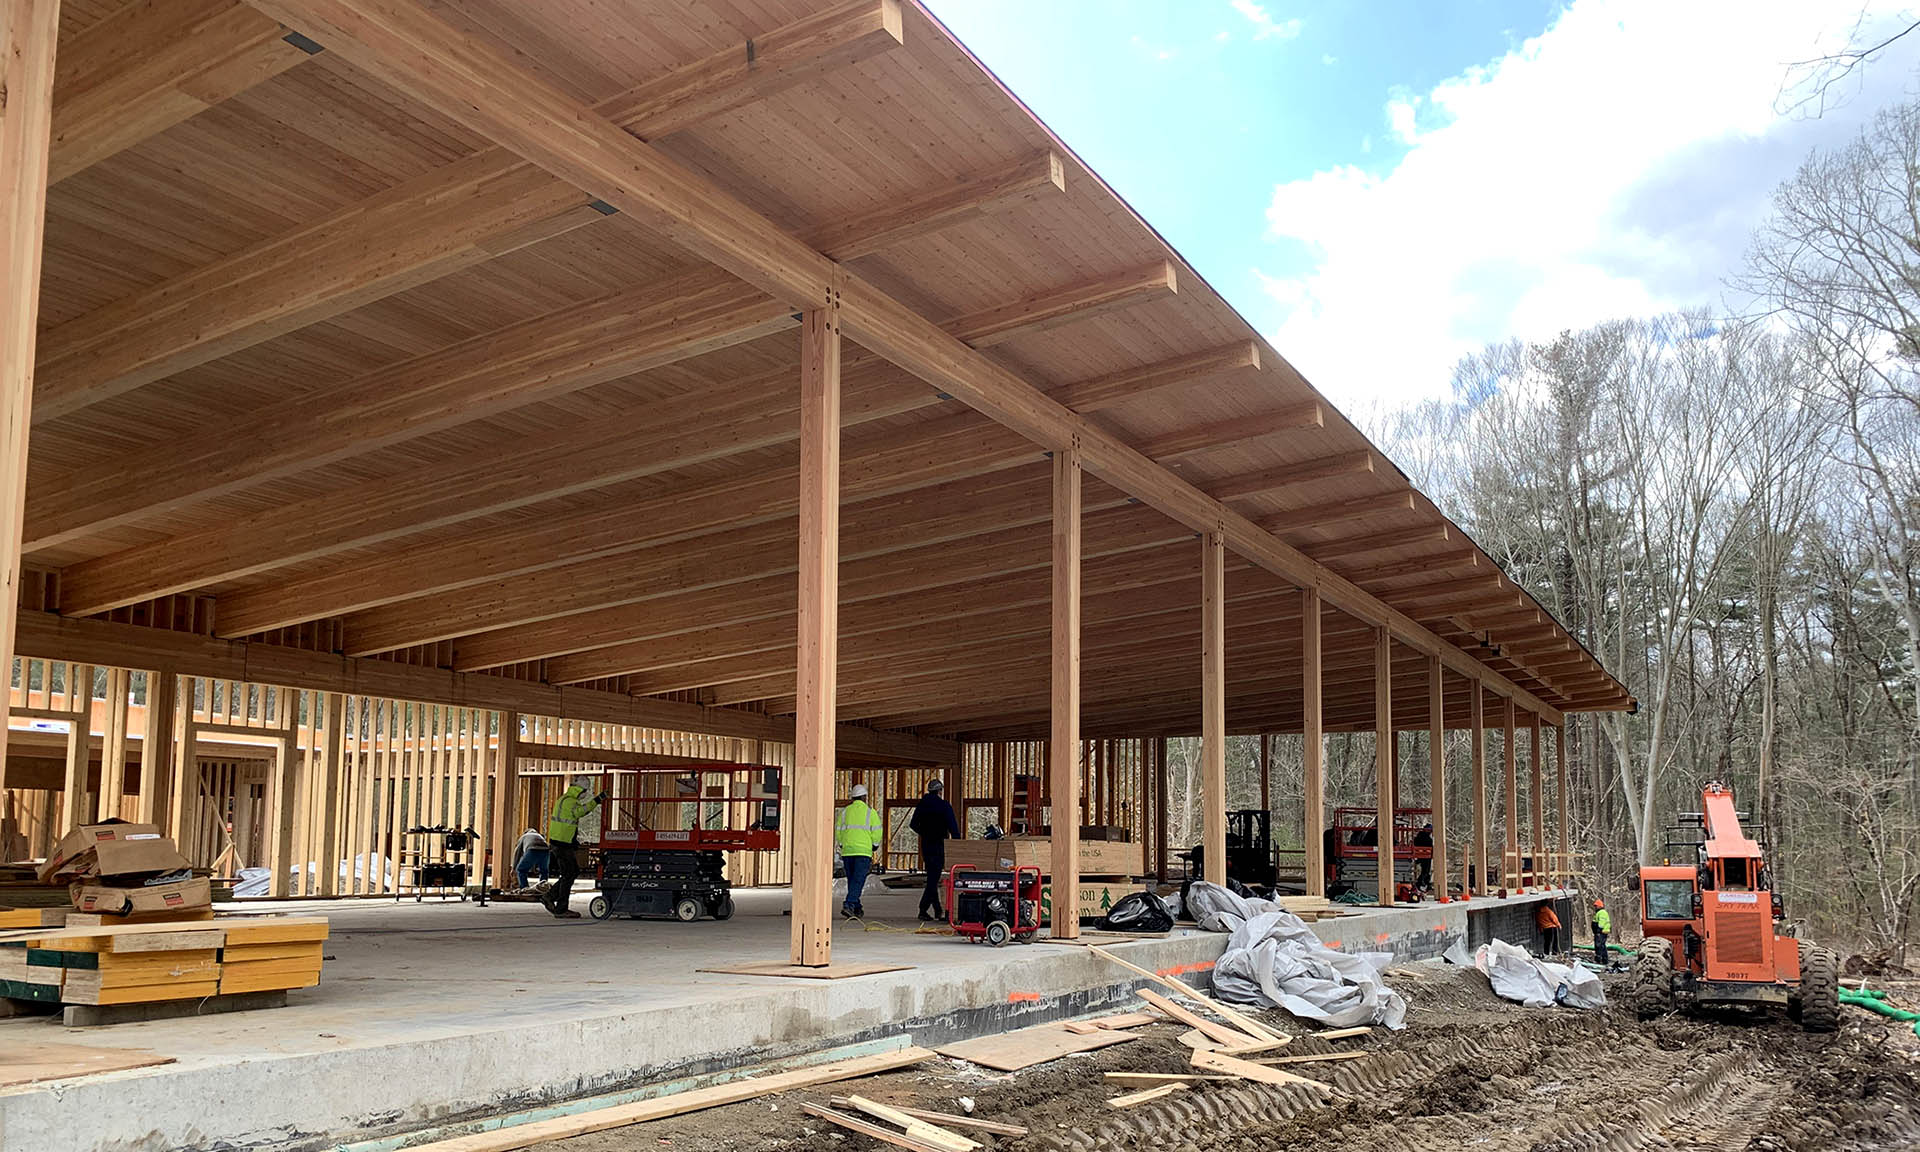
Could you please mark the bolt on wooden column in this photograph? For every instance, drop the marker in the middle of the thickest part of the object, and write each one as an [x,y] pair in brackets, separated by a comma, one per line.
[1384,739]
[26,119]
[1437,770]
[1313,753]
[1064,756]
[1213,703]
[819,629]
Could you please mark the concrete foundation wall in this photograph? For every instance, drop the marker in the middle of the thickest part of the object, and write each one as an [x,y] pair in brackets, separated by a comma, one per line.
[487,1058]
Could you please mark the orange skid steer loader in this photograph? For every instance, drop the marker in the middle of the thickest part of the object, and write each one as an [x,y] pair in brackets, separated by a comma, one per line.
[1713,931]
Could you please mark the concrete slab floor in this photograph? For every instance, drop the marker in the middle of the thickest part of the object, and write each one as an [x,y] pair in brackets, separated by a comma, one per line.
[428,1011]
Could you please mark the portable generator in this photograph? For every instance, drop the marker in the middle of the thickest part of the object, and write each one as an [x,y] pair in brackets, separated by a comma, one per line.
[994,906]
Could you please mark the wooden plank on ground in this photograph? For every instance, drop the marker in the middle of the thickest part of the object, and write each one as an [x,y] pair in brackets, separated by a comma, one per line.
[867,1128]
[1132,1099]
[1247,1070]
[1320,1058]
[802,972]
[1220,1033]
[947,1119]
[1115,1021]
[640,1111]
[32,1063]
[1343,1033]
[1160,1076]
[924,1131]
[1250,1027]
[1012,1051]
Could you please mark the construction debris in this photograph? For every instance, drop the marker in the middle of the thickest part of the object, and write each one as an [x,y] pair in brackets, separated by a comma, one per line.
[1145,1095]
[915,1128]
[1250,1027]
[947,1119]
[1526,979]
[1274,960]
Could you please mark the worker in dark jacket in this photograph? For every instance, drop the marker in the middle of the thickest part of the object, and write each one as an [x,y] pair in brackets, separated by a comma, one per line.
[933,821]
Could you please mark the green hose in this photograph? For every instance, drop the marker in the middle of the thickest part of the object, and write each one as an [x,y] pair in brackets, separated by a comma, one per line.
[1874,1000]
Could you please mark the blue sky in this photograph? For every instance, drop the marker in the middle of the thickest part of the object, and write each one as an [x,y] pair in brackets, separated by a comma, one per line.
[1383,187]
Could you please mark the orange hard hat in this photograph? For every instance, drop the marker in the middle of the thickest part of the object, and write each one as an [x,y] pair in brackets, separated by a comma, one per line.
[1599,903]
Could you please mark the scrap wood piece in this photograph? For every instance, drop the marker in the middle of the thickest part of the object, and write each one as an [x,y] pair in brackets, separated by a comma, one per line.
[802,972]
[1343,1033]
[867,1128]
[1220,1033]
[916,1129]
[41,1060]
[1321,1058]
[1012,1051]
[1250,1027]
[1117,1020]
[1255,1049]
[661,1107]
[1141,1097]
[1163,1076]
[1248,1070]
[949,1119]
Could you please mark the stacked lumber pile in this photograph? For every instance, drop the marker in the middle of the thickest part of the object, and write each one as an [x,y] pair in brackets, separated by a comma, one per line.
[141,963]
[270,954]
[1311,908]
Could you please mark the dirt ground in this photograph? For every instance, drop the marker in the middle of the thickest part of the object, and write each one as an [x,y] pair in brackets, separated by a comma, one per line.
[1468,1072]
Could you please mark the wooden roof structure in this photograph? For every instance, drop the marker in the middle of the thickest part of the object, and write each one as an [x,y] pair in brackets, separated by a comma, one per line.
[456,350]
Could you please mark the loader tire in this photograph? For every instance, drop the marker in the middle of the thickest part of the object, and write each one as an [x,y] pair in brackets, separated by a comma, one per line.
[1653,978]
[1819,990]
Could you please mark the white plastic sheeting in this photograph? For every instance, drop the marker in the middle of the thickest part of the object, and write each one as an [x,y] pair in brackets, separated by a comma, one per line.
[1526,979]
[1275,961]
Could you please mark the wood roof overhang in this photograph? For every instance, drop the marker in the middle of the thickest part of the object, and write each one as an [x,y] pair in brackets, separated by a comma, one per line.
[469,335]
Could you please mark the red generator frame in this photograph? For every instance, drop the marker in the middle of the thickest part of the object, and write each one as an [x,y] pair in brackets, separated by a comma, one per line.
[973,894]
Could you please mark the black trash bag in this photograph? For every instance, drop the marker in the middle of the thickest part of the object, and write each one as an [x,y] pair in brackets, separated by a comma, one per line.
[1138,912]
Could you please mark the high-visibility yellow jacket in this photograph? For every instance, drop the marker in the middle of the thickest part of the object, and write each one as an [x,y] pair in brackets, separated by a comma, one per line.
[856,830]
[1602,921]
[572,807]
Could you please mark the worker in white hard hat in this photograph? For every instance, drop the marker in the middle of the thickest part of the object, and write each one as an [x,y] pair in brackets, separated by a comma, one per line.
[856,834]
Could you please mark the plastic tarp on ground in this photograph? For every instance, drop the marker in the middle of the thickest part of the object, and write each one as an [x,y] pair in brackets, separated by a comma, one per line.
[1274,960]
[1519,976]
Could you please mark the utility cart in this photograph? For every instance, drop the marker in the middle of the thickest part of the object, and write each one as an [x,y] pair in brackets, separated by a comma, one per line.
[665,833]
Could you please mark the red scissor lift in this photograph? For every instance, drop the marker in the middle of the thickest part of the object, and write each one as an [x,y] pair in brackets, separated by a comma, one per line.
[1353,853]
[665,832]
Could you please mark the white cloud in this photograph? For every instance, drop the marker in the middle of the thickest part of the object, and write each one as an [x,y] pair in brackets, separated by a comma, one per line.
[1265,26]
[1612,165]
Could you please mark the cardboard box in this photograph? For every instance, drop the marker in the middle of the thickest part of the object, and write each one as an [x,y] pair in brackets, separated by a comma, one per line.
[1097,857]
[1097,897]
[61,859]
[128,858]
[161,901]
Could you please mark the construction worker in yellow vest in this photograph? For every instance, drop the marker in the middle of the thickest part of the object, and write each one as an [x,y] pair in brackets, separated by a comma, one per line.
[563,834]
[856,835]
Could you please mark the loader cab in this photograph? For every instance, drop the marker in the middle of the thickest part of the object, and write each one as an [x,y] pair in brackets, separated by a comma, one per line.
[1669,895]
